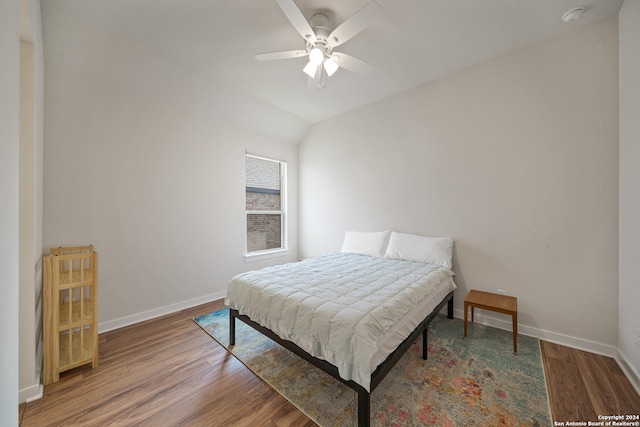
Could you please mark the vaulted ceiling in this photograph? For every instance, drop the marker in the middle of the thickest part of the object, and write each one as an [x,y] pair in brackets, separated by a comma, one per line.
[200,52]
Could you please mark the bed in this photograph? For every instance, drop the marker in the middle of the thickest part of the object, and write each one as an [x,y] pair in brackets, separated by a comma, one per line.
[353,313]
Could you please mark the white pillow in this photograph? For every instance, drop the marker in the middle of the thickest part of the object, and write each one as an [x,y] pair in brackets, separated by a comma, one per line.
[371,243]
[409,247]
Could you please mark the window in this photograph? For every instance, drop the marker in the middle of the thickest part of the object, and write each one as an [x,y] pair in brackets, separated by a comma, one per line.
[265,204]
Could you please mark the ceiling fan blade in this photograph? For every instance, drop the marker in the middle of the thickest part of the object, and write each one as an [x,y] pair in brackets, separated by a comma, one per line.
[285,54]
[297,19]
[356,23]
[351,63]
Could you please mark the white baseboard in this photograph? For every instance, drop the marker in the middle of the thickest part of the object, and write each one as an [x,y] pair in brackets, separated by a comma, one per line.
[31,393]
[36,391]
[628,369]
[157,312]
[554,337]
[578,343]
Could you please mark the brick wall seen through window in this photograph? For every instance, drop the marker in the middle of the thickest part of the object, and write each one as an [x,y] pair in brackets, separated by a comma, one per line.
[264,204]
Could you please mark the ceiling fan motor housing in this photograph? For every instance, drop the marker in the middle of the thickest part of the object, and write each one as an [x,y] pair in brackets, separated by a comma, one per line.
[319,23]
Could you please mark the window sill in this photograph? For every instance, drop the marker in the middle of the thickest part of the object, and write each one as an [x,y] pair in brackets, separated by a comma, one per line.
[259,256]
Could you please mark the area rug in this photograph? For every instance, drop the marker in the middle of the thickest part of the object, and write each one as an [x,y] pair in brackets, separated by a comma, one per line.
[477,381]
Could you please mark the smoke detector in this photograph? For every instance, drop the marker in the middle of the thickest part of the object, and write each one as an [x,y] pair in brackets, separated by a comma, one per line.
[573,14]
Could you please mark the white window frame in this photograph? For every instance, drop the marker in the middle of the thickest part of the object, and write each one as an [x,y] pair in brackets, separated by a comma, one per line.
[284,246]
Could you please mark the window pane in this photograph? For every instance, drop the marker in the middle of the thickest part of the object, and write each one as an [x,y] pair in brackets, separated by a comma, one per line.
[265,203]
[263,184]
[262,200]
[263,232]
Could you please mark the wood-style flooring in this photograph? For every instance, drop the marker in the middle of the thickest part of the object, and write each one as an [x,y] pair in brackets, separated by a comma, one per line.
[167,372]
[584,385]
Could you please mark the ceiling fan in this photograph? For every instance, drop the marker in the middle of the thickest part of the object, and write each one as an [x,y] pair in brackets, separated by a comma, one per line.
[320,42]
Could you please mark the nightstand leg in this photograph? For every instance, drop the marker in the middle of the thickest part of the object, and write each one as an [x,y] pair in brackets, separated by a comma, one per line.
[466,308]
[515,332]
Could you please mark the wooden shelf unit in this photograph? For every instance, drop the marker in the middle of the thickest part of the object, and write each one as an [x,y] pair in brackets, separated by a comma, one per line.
[70,312]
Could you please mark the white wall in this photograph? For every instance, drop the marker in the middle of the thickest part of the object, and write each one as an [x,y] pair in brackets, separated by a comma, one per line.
[28,250]
[30,196]
[629,293]
[145,172]
[516,159]
[9,149]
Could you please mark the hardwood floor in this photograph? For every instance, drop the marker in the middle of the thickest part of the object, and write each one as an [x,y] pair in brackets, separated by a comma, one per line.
[584,385]
[163,372]
[167,372]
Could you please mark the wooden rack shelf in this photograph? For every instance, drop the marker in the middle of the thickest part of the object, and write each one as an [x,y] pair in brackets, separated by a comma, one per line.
[70,313]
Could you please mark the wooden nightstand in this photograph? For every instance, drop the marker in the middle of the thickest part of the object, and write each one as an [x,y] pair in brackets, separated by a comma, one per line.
[493,302]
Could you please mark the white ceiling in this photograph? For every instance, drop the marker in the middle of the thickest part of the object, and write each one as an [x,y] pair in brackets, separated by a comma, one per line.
[200,52]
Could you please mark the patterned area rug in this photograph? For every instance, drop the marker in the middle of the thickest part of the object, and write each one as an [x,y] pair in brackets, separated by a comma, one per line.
[477,381]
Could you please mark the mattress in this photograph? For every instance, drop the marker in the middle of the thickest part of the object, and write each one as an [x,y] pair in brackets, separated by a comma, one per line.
[348,309]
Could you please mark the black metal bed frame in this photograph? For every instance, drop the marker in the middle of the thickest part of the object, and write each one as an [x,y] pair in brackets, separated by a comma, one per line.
[364,401]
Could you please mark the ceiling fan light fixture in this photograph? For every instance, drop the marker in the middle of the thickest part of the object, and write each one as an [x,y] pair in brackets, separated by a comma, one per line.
[330,67]
[316,56]
[310,69]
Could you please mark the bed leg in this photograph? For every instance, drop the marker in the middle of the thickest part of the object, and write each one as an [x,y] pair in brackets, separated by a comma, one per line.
[450,308]
[364,408]
[232,328]
[424,344]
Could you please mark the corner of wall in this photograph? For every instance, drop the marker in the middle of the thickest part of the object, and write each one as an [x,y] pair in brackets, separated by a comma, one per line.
[629,190]
[632,373]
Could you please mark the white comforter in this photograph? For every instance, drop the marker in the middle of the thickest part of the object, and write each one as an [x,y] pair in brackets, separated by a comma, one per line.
[336,307]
